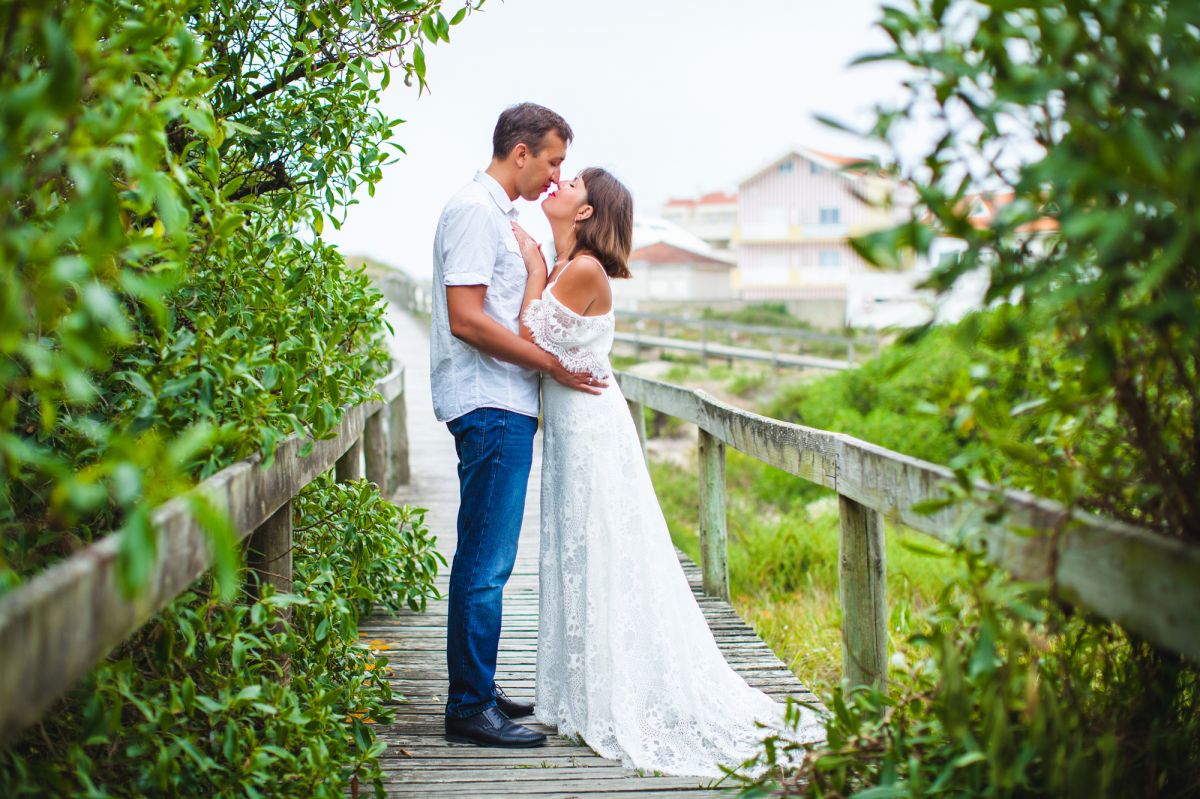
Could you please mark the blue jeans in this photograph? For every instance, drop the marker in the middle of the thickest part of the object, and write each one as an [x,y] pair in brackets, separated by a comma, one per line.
[495,451]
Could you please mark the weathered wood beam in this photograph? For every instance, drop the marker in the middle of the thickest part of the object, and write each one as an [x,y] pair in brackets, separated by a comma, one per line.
[398,436]
[269,557]
[714,544]
[638,413]
[350,465]
[375,449]
[862,589]
[58,625]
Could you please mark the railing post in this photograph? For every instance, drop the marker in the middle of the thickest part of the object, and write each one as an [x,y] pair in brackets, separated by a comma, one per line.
[862,589]
[375,449]
[714,549]
[269,555]
[398,432]
[349,466]
[638,412]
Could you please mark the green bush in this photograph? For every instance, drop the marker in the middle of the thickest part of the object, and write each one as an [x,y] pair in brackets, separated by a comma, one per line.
[1011,696]
[167,307]
[1087,391]
[273,696]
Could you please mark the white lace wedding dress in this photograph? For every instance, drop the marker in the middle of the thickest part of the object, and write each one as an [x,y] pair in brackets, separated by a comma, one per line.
[625,658]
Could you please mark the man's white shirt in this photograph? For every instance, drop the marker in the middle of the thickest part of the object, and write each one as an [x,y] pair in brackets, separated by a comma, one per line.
[475,246]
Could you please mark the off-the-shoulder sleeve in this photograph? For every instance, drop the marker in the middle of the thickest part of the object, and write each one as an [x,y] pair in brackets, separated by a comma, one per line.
[561,335]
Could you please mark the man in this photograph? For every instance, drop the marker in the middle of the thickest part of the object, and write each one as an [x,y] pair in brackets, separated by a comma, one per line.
[485,388]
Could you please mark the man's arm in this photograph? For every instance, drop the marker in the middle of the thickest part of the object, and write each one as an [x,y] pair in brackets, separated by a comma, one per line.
[469,323]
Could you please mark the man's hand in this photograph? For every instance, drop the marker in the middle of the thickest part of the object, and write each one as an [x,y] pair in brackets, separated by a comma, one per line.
[580,381]
[531,251]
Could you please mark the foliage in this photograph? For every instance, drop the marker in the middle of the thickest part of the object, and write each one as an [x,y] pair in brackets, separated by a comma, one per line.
[1073,120]
[1081,113]
[168,305]
[265,697]
[1011,696]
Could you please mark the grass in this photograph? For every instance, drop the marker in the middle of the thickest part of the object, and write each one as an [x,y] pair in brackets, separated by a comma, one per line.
[783,563]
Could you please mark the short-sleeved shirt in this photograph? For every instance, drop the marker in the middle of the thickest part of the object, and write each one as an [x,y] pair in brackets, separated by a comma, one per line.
[475,246]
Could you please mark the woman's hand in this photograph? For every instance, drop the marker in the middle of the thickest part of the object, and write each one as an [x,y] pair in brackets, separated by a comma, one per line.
[531,251]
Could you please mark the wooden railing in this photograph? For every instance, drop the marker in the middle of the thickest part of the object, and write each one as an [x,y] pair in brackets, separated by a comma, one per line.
[1146,583]
[58,625]
[786,345]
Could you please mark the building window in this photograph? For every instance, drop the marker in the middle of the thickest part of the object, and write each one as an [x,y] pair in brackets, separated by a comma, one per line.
[829,258]
[786,166]
[813,168]
[831,216]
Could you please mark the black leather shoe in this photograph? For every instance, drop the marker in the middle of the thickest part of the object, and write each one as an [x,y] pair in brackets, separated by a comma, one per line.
[491,728]
[511,707]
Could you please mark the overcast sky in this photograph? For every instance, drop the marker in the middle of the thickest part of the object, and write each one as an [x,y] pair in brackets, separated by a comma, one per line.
[675,98]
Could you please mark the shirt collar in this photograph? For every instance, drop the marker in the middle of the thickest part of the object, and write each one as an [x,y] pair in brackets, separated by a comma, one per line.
[499,195]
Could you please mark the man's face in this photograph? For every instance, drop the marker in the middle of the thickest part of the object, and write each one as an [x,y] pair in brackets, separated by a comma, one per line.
[538,172]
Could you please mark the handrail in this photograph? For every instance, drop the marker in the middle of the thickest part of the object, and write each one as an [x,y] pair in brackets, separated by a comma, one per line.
[707,349]
[1145,582]
[58,625]
[416,295]
[741,327]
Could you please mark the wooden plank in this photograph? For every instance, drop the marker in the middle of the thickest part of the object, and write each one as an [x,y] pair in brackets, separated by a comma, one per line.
[376,458]
[350,465]
[401,472]
[418,761]
[862,591]
[56,626]
[269,554]
[714,546]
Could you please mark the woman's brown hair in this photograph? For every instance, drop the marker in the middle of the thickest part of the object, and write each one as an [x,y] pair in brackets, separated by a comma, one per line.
[606,235]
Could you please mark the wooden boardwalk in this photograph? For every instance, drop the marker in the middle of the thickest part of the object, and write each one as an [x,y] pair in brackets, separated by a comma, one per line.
[418,761]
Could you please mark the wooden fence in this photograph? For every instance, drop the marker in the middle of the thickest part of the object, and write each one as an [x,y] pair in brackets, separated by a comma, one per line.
[58,625]
[785,345]
[1146,583]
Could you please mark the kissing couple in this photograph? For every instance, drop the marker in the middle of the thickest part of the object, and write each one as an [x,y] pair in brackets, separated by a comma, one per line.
[625,659]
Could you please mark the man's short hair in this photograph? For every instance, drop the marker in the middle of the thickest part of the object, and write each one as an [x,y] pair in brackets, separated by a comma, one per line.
[529,123]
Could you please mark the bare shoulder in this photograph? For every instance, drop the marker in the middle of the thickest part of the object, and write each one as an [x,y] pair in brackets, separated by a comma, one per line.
[586,270]
[584,286]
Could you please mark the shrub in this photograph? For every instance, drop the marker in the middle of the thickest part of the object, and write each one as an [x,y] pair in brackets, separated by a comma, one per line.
[1076,115]
[273,696]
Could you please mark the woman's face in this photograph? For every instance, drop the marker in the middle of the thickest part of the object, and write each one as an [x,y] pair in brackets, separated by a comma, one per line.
[567,200]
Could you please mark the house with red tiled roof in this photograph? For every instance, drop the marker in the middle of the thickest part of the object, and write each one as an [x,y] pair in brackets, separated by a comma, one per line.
[711,217]
[667,274]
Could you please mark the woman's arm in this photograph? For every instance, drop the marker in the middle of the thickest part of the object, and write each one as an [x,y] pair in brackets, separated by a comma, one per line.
[535,264]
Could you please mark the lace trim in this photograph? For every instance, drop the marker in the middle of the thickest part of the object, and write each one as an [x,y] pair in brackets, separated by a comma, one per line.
[553,330]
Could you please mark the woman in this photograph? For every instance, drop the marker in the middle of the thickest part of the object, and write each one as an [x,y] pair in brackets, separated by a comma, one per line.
[625,657]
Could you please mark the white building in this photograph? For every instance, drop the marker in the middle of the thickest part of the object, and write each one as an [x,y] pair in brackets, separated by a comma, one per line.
[666,274]
[711,217]
[790,238]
